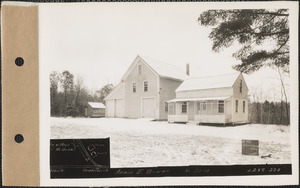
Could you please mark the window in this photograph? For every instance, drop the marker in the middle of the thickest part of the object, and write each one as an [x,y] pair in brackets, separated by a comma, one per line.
[241,86]
[221,106]
[244,106]
[146,86]
[140,69]
[198,105]
[201,106]
[184,107]
[236,106]
[166,107]
[204,106]
[171,109]
[134,87]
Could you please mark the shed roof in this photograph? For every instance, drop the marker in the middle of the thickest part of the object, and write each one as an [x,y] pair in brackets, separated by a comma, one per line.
[96,105]
[210,82]
[165,69]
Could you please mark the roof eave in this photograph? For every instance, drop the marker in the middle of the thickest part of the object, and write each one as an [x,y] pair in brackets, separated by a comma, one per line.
[172,78]
[113,90]
[203,89]
[129,68]
[132,66]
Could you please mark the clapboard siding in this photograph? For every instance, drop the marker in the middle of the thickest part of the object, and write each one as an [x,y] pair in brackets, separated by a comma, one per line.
[133,100]
[167,92]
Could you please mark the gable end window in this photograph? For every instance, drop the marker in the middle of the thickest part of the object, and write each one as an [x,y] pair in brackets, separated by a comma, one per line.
[244,106]
[139,69]
[236,106]
[134,87]
[146,86]
[241,86]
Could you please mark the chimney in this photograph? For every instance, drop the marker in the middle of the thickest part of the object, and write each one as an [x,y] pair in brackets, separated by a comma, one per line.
[188,69]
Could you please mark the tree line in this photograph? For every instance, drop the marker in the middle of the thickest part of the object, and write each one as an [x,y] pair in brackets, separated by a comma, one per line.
[269,112]
[69,96]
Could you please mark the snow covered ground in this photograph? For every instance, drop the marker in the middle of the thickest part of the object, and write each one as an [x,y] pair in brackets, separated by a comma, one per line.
[145,143]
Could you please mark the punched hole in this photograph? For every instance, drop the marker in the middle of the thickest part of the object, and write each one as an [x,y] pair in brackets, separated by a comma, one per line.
[19,138]
[19,61]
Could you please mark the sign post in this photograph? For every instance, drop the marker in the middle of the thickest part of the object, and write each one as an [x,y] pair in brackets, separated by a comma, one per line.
[250,147]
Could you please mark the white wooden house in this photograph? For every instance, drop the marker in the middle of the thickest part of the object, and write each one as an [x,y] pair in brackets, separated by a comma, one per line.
[211,100]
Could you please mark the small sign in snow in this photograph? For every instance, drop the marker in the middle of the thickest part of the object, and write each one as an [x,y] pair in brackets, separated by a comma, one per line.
[250,147]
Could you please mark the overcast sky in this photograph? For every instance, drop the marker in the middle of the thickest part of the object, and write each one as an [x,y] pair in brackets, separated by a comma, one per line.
[99,41]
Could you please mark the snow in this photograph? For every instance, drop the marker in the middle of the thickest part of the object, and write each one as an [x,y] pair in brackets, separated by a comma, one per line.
[220,81]
[145,143]
[199,99]
[96,105]
[164,69]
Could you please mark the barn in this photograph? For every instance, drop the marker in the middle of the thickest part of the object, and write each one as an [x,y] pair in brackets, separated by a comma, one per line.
[144,90]
[221,99]
[95,109]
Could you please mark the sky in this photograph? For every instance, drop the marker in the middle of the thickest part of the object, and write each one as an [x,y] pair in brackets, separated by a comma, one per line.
[99,41]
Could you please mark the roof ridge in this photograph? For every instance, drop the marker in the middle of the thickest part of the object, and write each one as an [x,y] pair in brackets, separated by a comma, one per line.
[159,61]
[214,75]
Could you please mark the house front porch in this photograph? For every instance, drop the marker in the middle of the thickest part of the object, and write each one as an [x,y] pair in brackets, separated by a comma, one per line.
[213,110]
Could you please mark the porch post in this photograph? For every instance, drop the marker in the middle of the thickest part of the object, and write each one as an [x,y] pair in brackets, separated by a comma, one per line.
[225,112]
[195,107]
[175,106]
[232,109]
[187,108]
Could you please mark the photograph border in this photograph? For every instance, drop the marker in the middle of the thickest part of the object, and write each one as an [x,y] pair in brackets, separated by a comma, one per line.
[294,120]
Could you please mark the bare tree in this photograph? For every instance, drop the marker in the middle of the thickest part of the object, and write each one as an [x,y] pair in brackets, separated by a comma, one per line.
[285,96]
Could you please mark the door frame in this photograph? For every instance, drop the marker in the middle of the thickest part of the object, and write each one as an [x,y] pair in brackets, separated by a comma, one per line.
[151,97]
[110,107]
[191,112]
[115,108]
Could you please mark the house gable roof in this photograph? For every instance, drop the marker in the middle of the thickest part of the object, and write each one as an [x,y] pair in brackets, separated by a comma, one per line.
[210,82]
[241,75]
[159,68]
[96,105]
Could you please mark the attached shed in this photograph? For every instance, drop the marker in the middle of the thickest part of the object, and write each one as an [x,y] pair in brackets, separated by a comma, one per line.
[115,102]
[95,109]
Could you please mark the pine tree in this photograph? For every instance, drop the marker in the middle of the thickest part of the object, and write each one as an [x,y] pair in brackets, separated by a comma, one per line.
[253,29]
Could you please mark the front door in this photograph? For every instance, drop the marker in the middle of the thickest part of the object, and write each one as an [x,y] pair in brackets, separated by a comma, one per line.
[191,110]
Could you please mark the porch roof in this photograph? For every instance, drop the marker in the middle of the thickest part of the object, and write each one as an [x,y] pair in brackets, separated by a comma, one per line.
[199,99]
